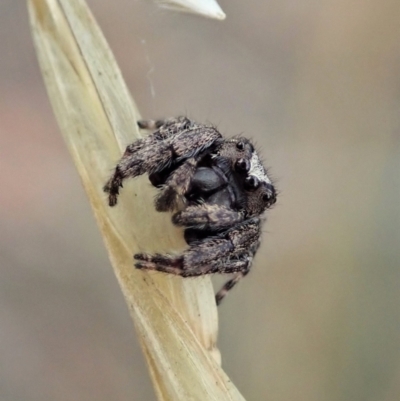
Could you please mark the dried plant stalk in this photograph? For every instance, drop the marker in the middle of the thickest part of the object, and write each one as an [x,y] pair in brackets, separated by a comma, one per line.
[176,319]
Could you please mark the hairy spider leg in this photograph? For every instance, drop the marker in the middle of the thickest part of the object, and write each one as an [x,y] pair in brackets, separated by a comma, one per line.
[231,253]
[207,217]
[244,270]
[176,186]
[157,152]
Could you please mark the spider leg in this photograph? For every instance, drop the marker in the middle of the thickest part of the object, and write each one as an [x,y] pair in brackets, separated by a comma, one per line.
[160,259]
[167,127]
[176,271]
[176,186]
[198,254]
[207,217]
[239,266]
[231,252]
[244,266]
[158,151]
[200,270]
[163,129]
[243,239]
[189,181]
[163,263]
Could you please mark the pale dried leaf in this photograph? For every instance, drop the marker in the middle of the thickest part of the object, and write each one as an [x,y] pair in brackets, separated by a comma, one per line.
[176,319]
[205,8]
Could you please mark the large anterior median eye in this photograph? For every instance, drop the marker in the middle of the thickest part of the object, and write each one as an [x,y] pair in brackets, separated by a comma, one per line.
[269,197]
[242,166]
[240,145]
[251,183]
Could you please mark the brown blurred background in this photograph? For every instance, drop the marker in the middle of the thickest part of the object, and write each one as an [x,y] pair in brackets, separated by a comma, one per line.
[316,84]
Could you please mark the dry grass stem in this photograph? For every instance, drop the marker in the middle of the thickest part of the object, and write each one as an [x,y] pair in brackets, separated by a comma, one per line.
[176,319]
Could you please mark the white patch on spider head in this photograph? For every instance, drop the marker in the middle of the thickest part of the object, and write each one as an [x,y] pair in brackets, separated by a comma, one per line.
[257,169]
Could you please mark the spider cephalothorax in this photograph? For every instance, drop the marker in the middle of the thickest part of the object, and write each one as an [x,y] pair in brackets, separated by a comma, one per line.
[217,187]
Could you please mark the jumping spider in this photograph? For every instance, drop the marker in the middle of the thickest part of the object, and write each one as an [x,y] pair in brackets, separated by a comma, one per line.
[217,187]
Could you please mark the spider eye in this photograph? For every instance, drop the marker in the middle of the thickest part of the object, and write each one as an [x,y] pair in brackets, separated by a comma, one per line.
[242,166]
[240,145]
[269,198]
[251,183]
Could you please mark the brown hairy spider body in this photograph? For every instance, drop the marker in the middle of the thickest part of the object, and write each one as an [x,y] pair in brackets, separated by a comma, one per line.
[217,187]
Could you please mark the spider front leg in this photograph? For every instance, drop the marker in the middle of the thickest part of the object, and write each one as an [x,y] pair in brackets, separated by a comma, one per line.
[158,151]
[176,186]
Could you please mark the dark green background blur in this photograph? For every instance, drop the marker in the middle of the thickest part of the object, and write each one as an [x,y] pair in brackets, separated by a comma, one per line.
[317,85]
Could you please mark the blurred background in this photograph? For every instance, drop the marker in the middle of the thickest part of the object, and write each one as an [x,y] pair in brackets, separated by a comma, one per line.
[316,84]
